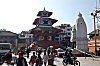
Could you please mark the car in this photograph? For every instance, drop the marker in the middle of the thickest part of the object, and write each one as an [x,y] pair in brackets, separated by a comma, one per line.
[59,52]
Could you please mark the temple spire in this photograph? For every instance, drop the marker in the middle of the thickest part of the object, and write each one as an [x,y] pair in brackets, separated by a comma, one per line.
[80,15]
[44,9]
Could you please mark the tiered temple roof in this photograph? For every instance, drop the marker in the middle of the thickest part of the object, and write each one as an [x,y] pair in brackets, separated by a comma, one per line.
[44,33]
[44,11]
[37,20]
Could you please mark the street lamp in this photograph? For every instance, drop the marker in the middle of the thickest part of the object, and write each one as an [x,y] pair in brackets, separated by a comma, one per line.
[94,16]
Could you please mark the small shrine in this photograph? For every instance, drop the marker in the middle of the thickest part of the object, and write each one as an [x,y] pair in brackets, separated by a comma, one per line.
[44,33]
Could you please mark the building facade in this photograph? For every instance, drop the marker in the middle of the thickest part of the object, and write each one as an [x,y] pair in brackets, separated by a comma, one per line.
[8,37]
[73,37]
[24,39]
[64,36]
[91,41]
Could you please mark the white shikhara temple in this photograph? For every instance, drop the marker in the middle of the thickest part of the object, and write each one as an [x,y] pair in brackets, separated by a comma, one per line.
[81,34]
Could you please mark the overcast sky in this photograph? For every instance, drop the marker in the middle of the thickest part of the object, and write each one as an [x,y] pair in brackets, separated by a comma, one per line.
[18,15]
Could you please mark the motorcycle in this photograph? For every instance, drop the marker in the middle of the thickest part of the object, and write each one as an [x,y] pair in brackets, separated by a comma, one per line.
[71,61]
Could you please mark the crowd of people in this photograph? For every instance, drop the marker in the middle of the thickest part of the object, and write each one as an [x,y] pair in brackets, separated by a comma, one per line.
[39,61]
[36,59]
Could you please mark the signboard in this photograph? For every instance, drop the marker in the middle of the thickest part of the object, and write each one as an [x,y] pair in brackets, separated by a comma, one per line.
[21,45]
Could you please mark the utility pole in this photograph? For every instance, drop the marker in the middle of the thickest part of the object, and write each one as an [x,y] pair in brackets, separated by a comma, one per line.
[94,16]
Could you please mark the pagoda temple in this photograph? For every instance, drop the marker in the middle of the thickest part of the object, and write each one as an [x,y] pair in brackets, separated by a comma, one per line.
[44,33]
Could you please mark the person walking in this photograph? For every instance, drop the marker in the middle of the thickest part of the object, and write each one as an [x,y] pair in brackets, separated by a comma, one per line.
[39,61]
[48,51]
[45,58]
[8,57]
[28,51]
[32,60]
[21,61]
[36,49]
[51,59]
